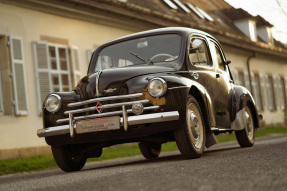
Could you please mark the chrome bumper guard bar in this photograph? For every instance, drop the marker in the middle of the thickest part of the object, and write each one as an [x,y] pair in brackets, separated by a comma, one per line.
[125,120]
[132,120]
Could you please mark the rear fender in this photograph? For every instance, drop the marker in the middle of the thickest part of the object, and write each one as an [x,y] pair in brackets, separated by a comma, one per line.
[243,97]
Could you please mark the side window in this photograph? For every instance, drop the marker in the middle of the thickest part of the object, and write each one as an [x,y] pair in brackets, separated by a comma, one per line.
[104,62]
[219,59]
[198,54]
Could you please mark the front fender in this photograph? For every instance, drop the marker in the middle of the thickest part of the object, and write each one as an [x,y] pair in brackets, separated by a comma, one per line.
[178,89]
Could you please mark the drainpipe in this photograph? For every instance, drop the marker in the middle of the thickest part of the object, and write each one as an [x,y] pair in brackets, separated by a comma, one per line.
[248,69]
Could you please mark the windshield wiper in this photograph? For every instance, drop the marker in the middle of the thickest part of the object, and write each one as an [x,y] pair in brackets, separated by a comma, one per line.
[139,57]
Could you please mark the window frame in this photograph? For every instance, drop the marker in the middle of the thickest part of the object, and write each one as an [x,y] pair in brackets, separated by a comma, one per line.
[209,57]
[221,54]
[44,71]
[59,71]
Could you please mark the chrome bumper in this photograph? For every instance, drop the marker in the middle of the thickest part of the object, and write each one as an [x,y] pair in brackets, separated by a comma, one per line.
[125,121]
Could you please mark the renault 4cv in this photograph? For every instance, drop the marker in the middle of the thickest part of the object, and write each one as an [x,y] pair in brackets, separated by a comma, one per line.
[152,87]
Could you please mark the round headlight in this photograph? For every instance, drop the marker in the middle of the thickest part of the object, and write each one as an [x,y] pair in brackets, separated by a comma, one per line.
[157,87]
[53,103]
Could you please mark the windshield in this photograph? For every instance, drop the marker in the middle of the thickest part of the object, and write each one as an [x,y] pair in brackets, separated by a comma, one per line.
[147,50]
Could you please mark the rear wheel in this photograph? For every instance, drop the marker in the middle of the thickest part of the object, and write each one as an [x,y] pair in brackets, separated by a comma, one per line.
[190,138]
[150,149]
[68,159]
[246,136]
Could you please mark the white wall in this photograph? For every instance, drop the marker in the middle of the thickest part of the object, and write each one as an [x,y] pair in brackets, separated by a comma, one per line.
[20,132]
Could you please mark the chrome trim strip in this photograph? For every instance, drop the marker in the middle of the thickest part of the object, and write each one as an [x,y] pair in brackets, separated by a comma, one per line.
[94,100]
[177,87]
[51,131]
[133,120]
[104,114]
[153,118]
[125,118]
[97,83]
[105,106]
[71,124]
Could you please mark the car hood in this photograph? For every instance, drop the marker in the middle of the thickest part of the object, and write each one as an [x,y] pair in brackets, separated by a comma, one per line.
[109,82]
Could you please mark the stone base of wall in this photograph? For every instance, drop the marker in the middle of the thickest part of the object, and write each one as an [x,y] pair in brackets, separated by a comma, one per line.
[24,152]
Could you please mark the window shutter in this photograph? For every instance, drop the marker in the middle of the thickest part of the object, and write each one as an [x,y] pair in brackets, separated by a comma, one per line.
[267,93]
[18,76]
[90,53]
[41,64]
[246,79]
[1,96]
[235,77]
[277,90]
[255,93]
[263,94]
[76,71]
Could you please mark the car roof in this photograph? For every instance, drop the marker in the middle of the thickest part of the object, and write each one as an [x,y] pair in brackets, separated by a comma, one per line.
[181,30]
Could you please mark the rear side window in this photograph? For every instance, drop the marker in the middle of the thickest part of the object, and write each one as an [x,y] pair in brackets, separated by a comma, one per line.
[198,54]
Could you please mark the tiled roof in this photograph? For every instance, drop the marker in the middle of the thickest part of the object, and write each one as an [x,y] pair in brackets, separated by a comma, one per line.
[148,14]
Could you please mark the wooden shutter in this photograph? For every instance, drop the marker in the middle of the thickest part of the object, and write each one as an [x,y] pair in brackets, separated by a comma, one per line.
[276,92]
[18,75]
[267,92]
[246,79]
[1,96]
[263,94]
[42,68]
[90,54]
[235,76]
[76,71]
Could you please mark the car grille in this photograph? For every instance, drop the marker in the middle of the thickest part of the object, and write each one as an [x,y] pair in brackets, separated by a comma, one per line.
[104,106]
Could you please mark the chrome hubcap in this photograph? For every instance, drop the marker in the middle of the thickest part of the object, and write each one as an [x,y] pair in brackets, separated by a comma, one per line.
[195,125]
[249,124]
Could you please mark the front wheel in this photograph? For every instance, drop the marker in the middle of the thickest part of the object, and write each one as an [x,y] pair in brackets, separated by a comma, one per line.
[150,149]
[190,138]
[246,136]
[68,159]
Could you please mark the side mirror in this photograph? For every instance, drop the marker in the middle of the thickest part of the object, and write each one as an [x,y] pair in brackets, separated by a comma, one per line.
[226,62]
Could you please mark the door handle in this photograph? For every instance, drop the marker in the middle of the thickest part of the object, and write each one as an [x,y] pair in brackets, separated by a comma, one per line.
[195,75]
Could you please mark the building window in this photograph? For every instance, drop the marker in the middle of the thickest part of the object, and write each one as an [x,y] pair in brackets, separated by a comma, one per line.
[170,4]
[59,68]
[270,36]
[184,8]
[207,16]
[241,80]
[271,93]
[195,10]
[55,72]
[257,92]
[252,30]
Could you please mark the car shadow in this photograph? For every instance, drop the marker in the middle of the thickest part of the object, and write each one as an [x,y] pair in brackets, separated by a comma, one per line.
[160,159]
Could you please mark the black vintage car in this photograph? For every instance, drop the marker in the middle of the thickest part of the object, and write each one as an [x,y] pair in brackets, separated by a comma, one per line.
[152,87]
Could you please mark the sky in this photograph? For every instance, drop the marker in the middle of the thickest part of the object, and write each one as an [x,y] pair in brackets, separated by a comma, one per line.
[273,11]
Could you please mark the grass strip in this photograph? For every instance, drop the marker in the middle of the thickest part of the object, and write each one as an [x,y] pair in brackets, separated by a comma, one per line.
[47,161]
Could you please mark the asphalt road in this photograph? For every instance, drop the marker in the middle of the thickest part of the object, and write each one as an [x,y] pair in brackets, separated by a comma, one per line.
[223,167]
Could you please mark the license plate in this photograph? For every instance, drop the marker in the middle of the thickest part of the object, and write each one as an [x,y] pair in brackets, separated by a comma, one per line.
[98,124]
